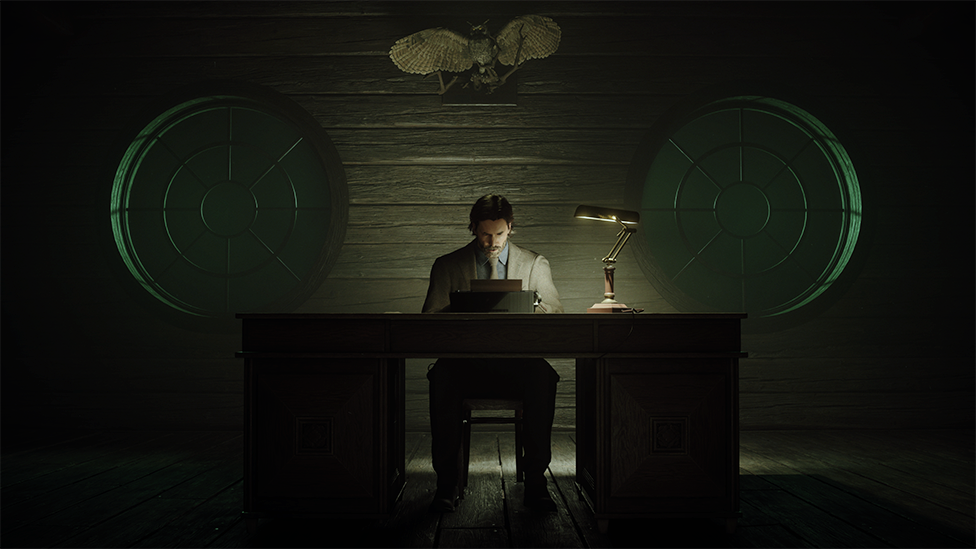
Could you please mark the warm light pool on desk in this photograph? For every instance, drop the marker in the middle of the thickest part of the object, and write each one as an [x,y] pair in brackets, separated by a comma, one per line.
[622,218]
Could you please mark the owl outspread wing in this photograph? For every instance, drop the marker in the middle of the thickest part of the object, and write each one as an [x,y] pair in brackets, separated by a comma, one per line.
[540,34]
[440,50]
[432,50]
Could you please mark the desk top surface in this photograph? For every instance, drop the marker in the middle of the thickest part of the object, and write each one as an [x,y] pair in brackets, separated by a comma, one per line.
[442,334]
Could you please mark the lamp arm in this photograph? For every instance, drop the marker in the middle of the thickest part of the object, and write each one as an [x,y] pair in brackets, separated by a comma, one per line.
[622,237]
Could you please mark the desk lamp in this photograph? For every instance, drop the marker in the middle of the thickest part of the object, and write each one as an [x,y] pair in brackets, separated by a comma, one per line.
[622,218]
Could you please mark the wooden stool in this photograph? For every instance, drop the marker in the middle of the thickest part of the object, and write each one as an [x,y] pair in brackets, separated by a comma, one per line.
[472,404]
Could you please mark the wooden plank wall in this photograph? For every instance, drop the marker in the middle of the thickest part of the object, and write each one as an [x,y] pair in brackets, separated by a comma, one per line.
[896,350]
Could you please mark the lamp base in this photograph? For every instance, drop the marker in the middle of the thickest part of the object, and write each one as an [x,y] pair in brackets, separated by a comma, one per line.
[609,306]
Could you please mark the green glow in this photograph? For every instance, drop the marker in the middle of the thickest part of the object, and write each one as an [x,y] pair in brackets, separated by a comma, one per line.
[752,205]
[221,205]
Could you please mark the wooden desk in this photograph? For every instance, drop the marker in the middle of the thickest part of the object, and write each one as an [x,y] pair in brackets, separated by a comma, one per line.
[657,406]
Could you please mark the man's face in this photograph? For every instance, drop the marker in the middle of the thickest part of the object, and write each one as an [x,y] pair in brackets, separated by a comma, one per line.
[492,235]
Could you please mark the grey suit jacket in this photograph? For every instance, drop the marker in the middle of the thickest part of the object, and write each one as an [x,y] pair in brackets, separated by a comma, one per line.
[453,272]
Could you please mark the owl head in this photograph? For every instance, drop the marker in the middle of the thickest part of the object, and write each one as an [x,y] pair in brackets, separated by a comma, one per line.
[479,30]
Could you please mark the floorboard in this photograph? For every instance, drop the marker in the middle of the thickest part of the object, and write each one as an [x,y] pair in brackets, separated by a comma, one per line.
[530,528]
[856,469]
[185,489]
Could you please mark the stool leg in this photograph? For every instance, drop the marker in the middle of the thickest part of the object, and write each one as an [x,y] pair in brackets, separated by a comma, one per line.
[519,471]
[466,451]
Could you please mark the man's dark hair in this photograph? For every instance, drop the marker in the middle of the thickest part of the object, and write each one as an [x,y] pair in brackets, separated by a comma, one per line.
[491,207]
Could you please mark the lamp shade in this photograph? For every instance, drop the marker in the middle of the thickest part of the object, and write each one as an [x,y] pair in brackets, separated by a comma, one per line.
[607,214]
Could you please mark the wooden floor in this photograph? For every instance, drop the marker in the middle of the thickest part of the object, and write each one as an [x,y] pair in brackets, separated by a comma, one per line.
[799,489]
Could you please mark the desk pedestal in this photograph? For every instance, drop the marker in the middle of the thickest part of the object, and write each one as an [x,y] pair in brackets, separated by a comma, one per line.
[658,437]
[323,436]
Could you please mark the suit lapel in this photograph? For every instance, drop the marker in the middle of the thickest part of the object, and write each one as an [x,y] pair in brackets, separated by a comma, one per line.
[514,266]
[469,268]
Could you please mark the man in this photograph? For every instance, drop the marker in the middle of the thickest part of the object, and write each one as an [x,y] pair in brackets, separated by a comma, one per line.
[491,255]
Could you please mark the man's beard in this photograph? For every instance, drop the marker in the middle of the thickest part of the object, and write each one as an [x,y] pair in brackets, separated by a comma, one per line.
[492,251]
